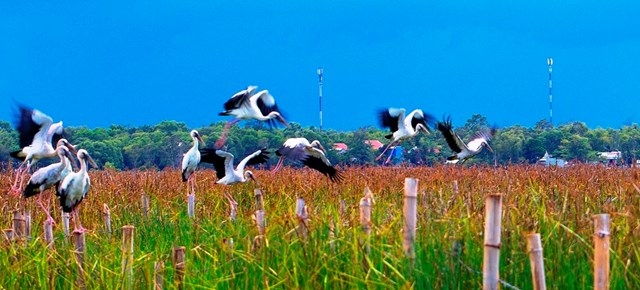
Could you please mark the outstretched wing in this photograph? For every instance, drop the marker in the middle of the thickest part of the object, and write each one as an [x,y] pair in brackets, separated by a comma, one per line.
[208,155]
[446,128]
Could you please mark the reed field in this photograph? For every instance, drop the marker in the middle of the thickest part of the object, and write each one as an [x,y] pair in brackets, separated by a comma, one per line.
[558,203]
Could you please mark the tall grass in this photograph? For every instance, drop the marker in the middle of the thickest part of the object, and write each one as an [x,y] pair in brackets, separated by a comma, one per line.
[556,202]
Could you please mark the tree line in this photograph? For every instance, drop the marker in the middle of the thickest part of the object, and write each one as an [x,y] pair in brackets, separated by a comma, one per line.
[161,146]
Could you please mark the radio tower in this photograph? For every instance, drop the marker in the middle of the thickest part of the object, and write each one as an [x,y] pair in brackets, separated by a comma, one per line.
[320,93]
[550,64]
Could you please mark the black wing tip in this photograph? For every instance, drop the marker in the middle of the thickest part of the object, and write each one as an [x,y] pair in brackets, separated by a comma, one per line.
[336,177]
[225,113]
[452,157]
[30,190]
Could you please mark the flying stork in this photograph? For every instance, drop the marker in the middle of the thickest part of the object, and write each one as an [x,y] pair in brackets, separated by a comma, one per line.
[190,161]
[402,127]
[463,151]
[245,105]
[223,164]
[310,154]
[46,177]
[36,133]
[74,188]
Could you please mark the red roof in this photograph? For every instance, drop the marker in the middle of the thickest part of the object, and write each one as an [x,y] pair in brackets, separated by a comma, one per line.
[340,146]
[375,144]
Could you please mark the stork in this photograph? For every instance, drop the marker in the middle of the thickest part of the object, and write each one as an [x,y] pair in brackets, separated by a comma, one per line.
[223,164]
[310,154]
[46,177]
[464,152]
[402,128]
[190,161]
[36,132]
[74,188]
[245,105]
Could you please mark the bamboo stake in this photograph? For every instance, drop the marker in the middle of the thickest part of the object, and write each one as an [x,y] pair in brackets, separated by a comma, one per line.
[27,224]
[48,234]
[455,187]
[178,264]
[410,212]
[106,212]
[602,225]
[303,215]
[366,204]
[259,198]
[145,204]
[491,260]
[534,247]
[19,225]
[65,223]
[127,256]
[259,217]
[191,207]
[79,242]
[157,274]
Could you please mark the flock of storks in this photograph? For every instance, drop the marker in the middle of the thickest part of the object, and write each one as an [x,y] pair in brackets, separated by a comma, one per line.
[38,134]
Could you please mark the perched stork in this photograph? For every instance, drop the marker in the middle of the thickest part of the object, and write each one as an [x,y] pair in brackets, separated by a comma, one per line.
[463,151]
[46,177]
[190,161]
[36,133]
[223,163]
[74,188]
[245,105]
[402,127]
[310,154]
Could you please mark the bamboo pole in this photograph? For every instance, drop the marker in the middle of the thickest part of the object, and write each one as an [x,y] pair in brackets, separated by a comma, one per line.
[48,234]
[491,259]
[456,190]
[79,242]
[259,198]
[19,225]
[366,204]
[127,256]
[259,217]
[158,269]
[601,240]
[178,264]
[65,223]
[145,204]
[302,214]
[106,212]
[27,224]
[191,207]
[534,247]
[410,213]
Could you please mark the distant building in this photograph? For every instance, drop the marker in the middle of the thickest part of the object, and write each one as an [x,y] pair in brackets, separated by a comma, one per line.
[547,160]
[611,157]
[340,147]
[375,144]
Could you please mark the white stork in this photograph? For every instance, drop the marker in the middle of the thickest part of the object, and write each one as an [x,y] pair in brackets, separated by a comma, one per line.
[402,127]
[223,163]
[74,188]
[190,161]
[36,132]
[463,151]
[46,177]
[310,154]
[245,105]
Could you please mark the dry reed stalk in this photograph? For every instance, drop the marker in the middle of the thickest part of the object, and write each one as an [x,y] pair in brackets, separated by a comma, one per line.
[65,223]
[145,204]
[491,260]
[127,256]
[191,207]
[106,212]
[534,247]
[178,265]
[48,234]
[366,204]
[409,211]
[158,268]
[19,225]
[233,207]
[302,214]
[343,211]
[79,242]
[602,226]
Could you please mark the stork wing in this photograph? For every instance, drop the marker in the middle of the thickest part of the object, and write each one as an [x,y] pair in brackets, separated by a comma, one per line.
[390,118]
[483,136]
[57,132]
[293,149]
[258,157]
[267,104]
[239,98]
[209,155]
[322,165]
[419,117]
[29,122]
[446,128]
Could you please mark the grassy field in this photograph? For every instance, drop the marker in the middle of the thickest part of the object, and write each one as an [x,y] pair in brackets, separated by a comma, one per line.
[555,202]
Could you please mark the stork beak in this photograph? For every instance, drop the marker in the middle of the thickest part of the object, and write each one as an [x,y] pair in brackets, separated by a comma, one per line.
[71,158]
[282,121]
[200,139]
[91,161]
[71,147]
[489,147]
[250,174]
[424,129]
[322,148]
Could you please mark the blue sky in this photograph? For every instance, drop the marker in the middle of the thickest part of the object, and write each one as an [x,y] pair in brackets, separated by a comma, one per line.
[134,63]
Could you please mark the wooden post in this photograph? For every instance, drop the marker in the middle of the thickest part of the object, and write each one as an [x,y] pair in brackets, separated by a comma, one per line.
[602,225]
[158,269]
[302,214]
[491,260]
[48,234]
[106,212]
[65,223]
[534,247]
[145,205]
[191,207]
[455,187]
[19,225]
[259,198]
[79,242]
[27,224]
[178,265]
[127,256]
[410,212]
[366,203]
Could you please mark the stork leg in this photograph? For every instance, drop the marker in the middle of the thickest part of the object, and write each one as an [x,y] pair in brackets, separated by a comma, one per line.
[16,189]
[385,150]
[44,207]
[192,183]
[225,133]
[278,165]
[77,226]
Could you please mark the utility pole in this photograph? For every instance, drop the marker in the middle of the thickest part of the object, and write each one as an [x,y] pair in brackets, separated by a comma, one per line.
[550,64]
[320,93]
